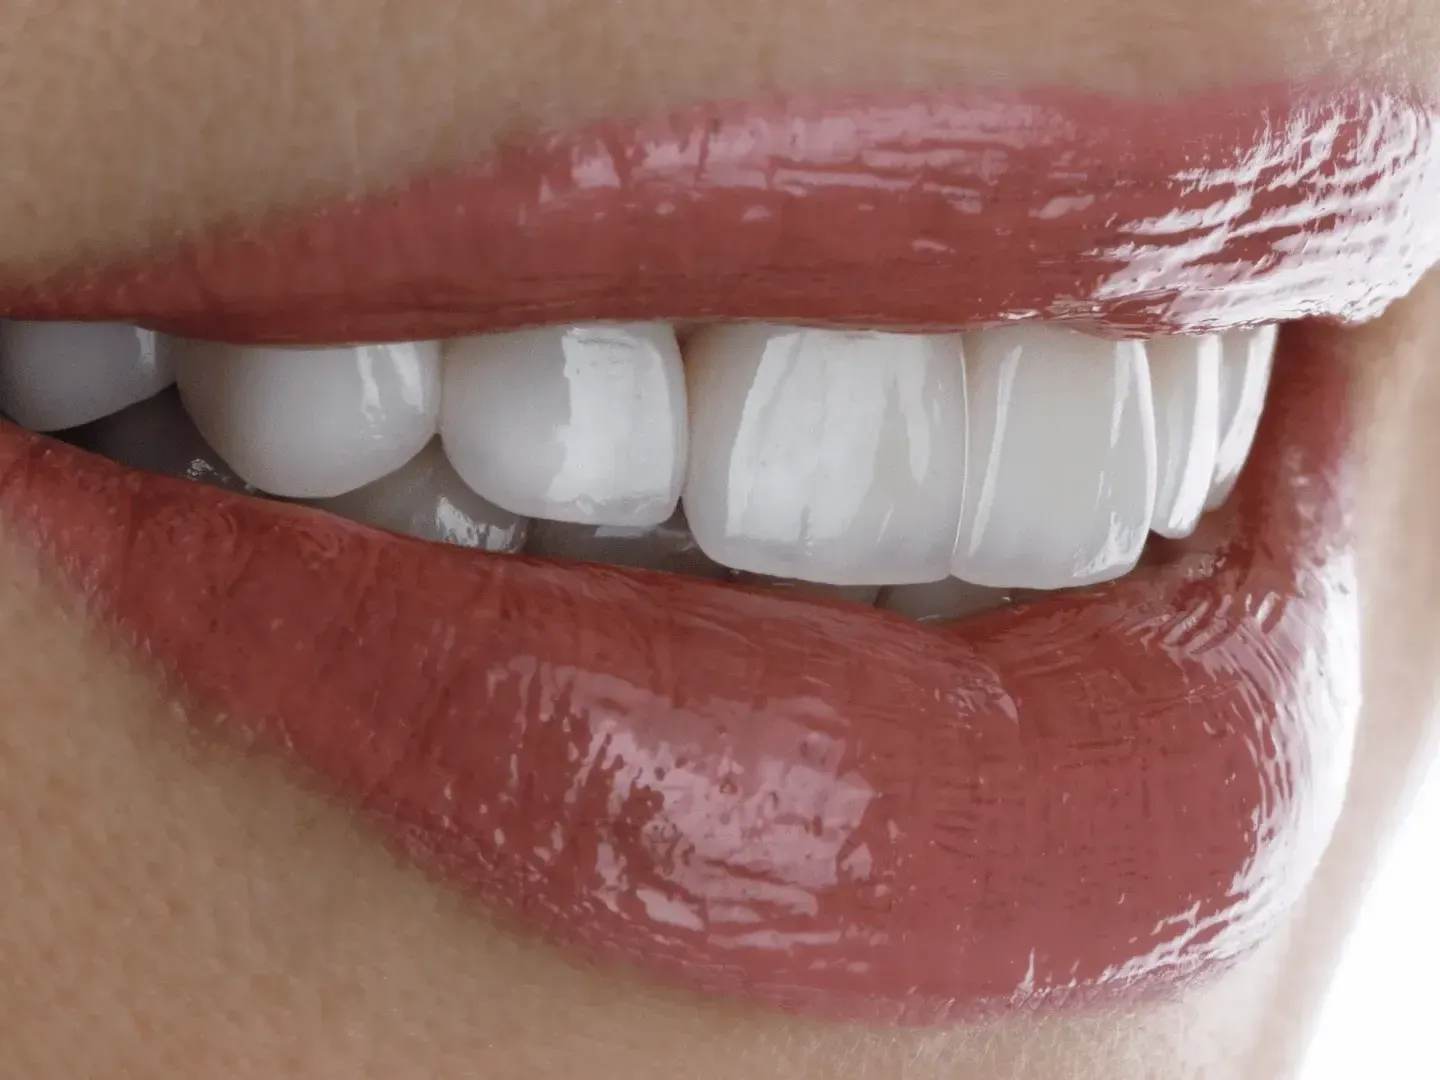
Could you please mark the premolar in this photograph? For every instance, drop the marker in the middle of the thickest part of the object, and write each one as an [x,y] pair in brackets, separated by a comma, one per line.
[57,375]
[826,455]
[312,423]
[584,424]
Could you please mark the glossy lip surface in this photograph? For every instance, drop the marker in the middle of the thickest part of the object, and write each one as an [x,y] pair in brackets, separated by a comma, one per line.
[817,807]
[812,806]
[1255,205]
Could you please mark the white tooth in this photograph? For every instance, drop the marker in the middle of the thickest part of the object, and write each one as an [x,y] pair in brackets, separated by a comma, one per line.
[584,424]
[1246,356]
[826,455]
[57,375]
[856,594]
[312,423]
[425,497]
[668,546]
[1061,482]
[1185,382]
[947,599]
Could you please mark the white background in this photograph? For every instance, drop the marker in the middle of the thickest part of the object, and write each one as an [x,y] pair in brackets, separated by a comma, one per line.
[1382,1019]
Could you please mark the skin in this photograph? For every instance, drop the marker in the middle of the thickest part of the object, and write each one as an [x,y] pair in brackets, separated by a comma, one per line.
[171,908]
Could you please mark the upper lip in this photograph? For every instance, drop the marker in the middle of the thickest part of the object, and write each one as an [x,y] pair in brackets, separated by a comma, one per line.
[759,795]
[1249,206]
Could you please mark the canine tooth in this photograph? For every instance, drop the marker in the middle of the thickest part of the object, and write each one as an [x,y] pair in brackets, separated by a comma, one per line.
[825,455]
[158,436]
[584,424]
[1185,384]
[1246,358]
[312,423]
[950,598]
[1060,488]
[669,546]
[57,375]
[426,498]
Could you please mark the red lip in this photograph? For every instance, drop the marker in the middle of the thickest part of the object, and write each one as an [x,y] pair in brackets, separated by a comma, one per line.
[1245,207]
[820,808]
[810,805]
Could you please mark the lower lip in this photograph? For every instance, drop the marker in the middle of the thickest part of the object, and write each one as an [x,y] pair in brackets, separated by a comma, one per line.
[792,802]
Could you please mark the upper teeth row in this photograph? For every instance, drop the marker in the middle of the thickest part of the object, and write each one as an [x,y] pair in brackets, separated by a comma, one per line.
[1027,456]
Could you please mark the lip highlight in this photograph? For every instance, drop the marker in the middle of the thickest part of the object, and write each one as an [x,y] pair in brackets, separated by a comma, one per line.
[801,803]
[811,806]
[914,211]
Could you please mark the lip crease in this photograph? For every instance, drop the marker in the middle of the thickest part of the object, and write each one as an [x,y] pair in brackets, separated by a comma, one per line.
[1254,205]
[800,803]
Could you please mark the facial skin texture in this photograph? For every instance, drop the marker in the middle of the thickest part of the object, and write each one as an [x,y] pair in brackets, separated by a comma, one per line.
[170,908]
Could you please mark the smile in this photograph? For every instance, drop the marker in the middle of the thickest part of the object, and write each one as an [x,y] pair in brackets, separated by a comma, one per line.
[889,560]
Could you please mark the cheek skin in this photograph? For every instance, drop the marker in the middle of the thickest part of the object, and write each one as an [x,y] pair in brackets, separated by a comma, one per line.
[143,870]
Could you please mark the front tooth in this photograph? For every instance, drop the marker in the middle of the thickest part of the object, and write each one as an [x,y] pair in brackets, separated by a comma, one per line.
[865,595]
[156,435]
[669,546]
[826,455]
[938,600]
[312,423]
[57,375]
[1246,356]
[425,497]
[1185,383]
[584,424]
[1062,468]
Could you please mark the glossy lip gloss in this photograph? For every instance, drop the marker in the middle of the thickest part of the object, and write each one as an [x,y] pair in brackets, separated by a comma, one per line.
[1251,206]
[806,804]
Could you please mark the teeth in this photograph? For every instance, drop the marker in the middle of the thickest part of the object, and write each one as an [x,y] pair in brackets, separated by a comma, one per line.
[583,424]
[865,595]
[312,423]
[425,497]
[1244,377]
[1185,382]
[826,455]
[669,546]
[57,375]
[947,599]
[934,476]
[156,435]
[1062,466]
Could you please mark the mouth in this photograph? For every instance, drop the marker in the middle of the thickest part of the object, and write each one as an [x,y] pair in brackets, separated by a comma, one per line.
[876,559]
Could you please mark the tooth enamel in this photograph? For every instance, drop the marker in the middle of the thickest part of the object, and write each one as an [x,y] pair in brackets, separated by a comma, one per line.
[937,600]
[158,436]
[583,424]
[825,455]
[312,423]
[1246,356]
[669,546]
[1060,487]
[1185,384]
[57,375]
[865,595]
[426,498]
